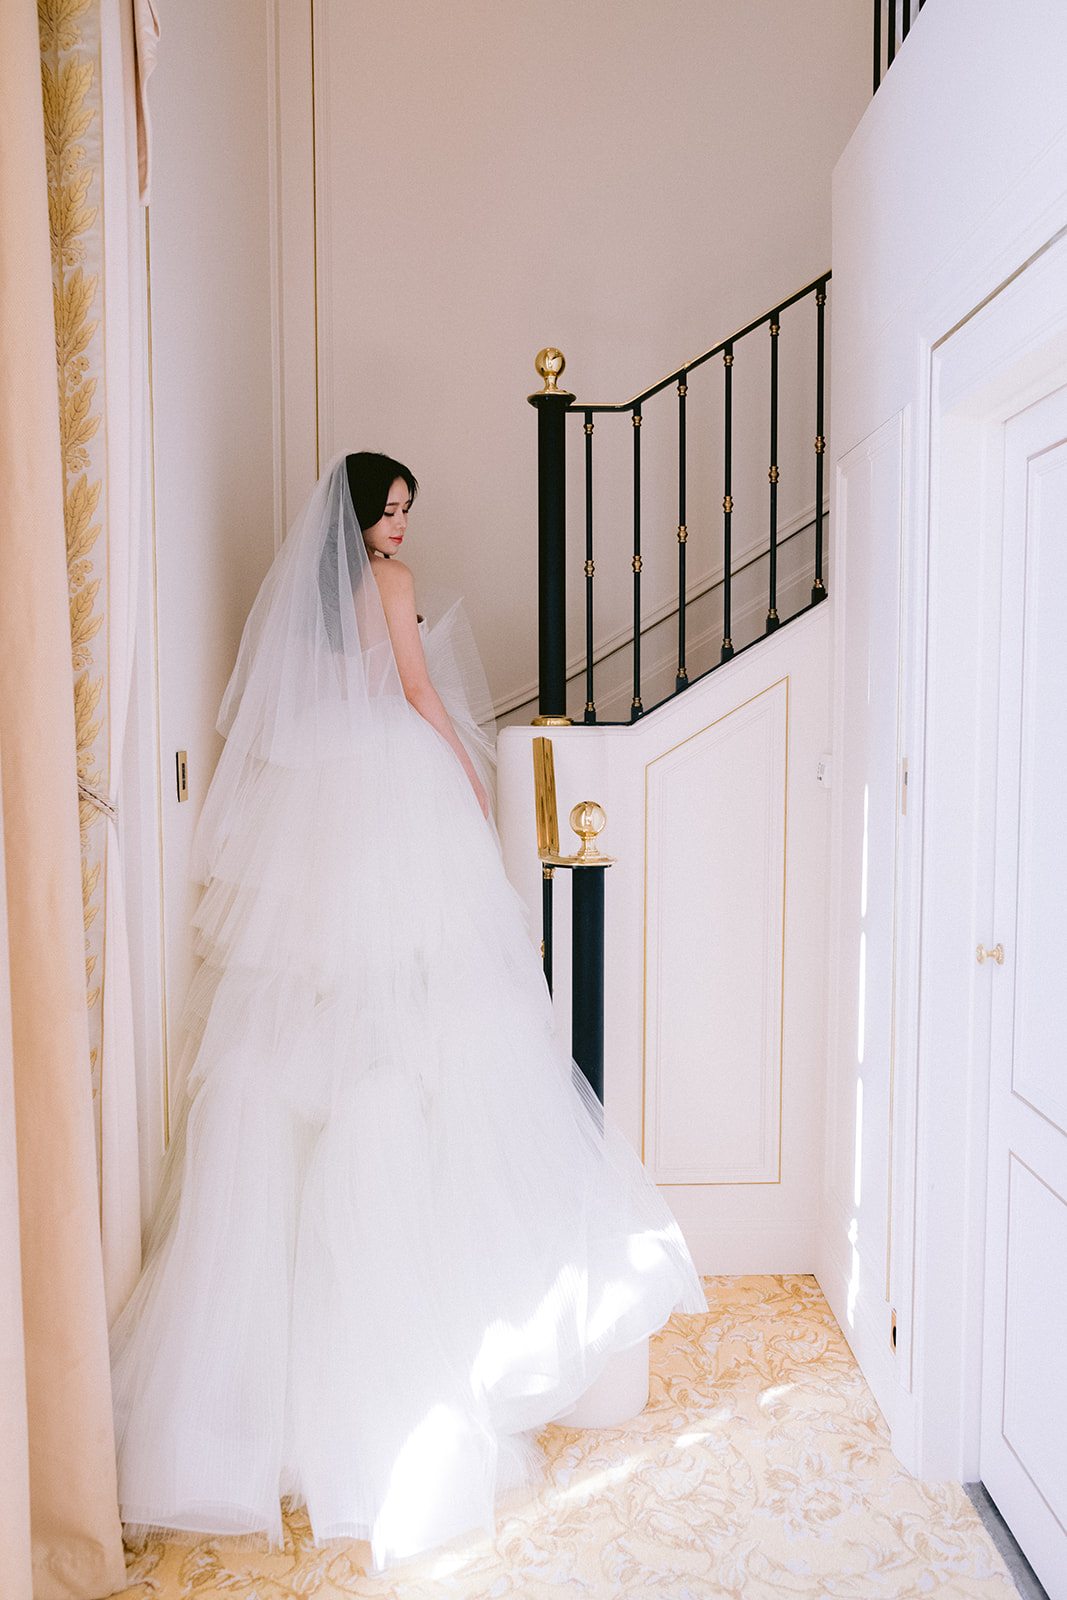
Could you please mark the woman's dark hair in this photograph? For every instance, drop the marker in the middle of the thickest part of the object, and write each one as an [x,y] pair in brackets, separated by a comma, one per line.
[370,477]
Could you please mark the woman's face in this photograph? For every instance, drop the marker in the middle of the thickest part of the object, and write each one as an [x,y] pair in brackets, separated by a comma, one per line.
[387,535]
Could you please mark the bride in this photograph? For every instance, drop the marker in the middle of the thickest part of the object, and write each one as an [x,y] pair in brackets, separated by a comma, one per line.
[394,1237]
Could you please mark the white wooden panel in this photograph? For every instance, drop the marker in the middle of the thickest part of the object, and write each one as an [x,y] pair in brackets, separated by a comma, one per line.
[1035,1396]
[715,862]
[1040,993]
[866,818]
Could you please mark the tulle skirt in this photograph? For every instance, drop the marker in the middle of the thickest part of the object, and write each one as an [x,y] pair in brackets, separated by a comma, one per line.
[395,1236]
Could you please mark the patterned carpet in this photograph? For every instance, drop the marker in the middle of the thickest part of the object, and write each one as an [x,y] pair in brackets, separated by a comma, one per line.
[760,1470]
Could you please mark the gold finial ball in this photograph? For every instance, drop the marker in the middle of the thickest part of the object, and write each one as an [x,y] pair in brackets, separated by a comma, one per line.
[550,363]
[588,819]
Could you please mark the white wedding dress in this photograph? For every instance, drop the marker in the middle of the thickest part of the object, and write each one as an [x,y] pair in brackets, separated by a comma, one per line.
[395,1237]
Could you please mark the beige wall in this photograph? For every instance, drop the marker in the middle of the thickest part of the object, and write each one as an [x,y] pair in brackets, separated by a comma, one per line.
[629,181]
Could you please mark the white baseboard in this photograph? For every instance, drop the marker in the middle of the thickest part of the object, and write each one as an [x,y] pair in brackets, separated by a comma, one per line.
[745,1252]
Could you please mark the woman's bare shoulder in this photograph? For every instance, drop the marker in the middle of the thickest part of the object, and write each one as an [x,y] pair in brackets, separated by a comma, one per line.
[392,576]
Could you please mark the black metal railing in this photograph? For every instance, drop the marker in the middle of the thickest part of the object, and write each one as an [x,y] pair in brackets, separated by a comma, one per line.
[555,405]
[892,24]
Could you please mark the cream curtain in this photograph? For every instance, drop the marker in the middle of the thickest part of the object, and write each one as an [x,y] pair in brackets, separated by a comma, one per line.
[59,1532]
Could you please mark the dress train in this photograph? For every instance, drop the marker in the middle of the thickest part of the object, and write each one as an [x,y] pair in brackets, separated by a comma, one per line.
[395,1235]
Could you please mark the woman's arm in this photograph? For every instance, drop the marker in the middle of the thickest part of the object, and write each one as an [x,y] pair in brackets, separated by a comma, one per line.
[397,589]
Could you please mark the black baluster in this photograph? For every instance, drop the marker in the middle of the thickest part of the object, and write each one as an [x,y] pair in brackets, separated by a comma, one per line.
[547,876]
[681,680]
[818,588]
[890,33]
[727,648]
[878,43]
[772,474]
[636,708]
[590,705]
[905,27]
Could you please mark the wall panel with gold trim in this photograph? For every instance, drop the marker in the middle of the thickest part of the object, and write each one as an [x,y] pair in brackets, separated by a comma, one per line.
[715,951]
[715,861]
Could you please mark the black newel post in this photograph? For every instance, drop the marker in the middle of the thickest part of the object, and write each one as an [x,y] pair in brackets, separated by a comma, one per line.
[587,944]
[587,912]
[552,405]
[587,973]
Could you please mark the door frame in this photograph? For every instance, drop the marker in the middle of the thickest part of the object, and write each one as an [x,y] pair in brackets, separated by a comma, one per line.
[1004,355]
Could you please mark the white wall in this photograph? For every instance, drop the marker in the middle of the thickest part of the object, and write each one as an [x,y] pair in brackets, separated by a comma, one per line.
[628,181]
[937,204]
[211,397]
[715,938]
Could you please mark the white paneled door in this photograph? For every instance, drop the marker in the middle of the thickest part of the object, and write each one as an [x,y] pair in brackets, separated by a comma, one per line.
[1024,1399]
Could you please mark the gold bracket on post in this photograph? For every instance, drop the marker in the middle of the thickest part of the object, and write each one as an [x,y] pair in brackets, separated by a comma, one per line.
[587,818]
[545,799]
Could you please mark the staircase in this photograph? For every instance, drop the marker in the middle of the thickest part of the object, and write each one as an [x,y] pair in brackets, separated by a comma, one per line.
[747,422]
[713,778]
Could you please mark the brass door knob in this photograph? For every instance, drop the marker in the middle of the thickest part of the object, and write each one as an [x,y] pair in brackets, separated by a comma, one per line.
[996,954]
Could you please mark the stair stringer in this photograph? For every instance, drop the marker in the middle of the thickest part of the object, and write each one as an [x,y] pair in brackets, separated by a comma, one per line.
[716,937]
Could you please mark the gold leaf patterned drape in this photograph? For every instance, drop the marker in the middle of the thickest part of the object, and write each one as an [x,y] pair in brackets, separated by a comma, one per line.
[70,79]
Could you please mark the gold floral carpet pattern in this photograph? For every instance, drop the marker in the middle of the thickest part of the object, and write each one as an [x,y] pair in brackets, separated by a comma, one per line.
[760,1470]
